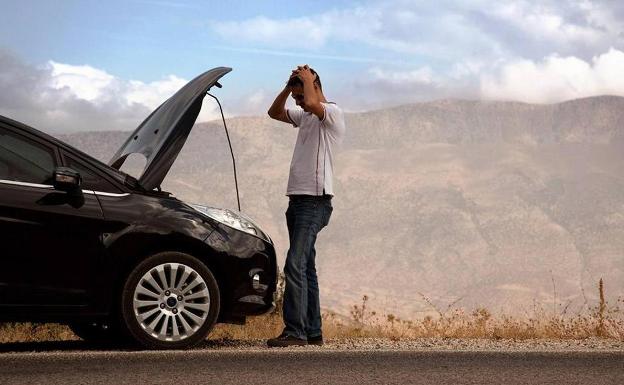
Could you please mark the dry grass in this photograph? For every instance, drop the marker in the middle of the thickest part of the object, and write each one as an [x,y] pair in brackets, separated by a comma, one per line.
[603,320]
[30,332]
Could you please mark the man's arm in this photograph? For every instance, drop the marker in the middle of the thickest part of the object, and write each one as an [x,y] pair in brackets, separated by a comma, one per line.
[277,110]
[310,96]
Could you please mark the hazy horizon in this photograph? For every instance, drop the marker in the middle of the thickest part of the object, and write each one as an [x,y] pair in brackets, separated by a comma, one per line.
[397,106]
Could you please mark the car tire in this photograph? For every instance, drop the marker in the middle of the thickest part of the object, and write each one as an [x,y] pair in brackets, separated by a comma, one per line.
[170,300]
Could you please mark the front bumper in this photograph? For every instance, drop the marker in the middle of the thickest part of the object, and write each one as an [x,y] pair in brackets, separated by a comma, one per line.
[249,278]
[254,293]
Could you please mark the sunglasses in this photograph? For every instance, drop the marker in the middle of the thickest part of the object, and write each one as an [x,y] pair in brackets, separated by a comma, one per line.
[298,97]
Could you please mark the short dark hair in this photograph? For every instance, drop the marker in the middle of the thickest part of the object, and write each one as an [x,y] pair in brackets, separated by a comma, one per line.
[297,82]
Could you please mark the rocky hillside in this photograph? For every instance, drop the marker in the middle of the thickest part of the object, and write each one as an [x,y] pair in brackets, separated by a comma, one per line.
[506,205]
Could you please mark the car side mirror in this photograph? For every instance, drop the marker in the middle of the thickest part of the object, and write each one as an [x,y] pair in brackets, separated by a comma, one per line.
[67,179]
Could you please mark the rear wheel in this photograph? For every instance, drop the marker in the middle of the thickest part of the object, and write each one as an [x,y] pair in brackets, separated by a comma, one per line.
[170,301]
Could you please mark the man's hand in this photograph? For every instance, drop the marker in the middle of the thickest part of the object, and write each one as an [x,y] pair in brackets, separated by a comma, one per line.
[292,75]
[304,73]
[277,110]
[311,99]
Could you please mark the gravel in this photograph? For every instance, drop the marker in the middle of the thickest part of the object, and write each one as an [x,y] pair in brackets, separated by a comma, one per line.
[434,344]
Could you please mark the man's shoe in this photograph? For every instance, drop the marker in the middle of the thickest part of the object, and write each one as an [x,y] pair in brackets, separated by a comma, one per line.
[318,340]
[285,340]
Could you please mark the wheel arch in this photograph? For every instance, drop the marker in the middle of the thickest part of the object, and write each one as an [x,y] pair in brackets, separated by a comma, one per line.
[130,250]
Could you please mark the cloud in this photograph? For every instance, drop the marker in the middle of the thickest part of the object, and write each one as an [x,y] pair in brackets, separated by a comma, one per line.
[154,93]
[450,30]
[283,33]
[98,86]
[422,75]
[382,87]
[299,54]
[399,51]
[255,102]
[535,27]
[84,81]
[395,26]
[557,78]
[551,79]
[58,97]
[449,49]
[95,85]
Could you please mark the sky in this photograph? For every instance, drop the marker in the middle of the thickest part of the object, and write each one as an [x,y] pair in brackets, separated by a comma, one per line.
[93,65]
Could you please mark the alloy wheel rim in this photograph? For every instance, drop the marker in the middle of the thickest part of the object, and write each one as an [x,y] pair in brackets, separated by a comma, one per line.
[171,301]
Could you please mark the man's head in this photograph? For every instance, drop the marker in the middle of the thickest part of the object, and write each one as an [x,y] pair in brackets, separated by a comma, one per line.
[296,87]
[295,81]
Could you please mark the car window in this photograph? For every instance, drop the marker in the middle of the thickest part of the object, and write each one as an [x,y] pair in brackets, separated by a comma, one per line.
[90,179]
[25,160]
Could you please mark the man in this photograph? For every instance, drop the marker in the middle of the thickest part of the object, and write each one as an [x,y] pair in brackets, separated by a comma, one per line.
[310,190]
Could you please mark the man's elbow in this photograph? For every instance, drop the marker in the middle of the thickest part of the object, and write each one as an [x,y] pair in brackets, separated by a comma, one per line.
[273,114]
[271,110]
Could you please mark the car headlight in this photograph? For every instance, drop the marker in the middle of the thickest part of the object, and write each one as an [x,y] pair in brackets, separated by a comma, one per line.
[232,219]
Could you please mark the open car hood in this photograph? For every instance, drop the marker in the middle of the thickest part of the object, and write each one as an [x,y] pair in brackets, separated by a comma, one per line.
[161,136]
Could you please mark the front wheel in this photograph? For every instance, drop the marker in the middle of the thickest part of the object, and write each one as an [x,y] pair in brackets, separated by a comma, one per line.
[170,301]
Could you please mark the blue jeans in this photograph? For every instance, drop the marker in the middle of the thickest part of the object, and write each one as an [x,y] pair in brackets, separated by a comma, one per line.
[305,217]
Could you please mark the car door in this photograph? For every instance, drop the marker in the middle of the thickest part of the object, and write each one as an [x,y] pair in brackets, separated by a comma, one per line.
[50,240]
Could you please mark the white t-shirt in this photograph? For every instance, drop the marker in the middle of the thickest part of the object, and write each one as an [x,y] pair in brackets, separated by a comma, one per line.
[311,168]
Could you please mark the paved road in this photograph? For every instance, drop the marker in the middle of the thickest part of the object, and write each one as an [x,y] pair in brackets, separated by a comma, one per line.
[302,366]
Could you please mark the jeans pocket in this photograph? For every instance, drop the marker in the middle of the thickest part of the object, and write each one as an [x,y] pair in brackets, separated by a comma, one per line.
[327,214]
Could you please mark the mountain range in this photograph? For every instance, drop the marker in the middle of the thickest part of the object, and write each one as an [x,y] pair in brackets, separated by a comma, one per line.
[452,203]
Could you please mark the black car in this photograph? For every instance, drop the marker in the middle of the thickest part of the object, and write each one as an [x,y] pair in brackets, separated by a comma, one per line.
[111,255]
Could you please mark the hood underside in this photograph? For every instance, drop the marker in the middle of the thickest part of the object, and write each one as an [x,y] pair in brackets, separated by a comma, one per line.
[162,135]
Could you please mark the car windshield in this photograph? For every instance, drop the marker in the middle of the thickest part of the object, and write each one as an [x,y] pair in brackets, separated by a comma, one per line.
[119,175]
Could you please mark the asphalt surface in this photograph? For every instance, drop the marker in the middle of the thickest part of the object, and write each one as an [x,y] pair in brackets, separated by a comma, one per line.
[70,364]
